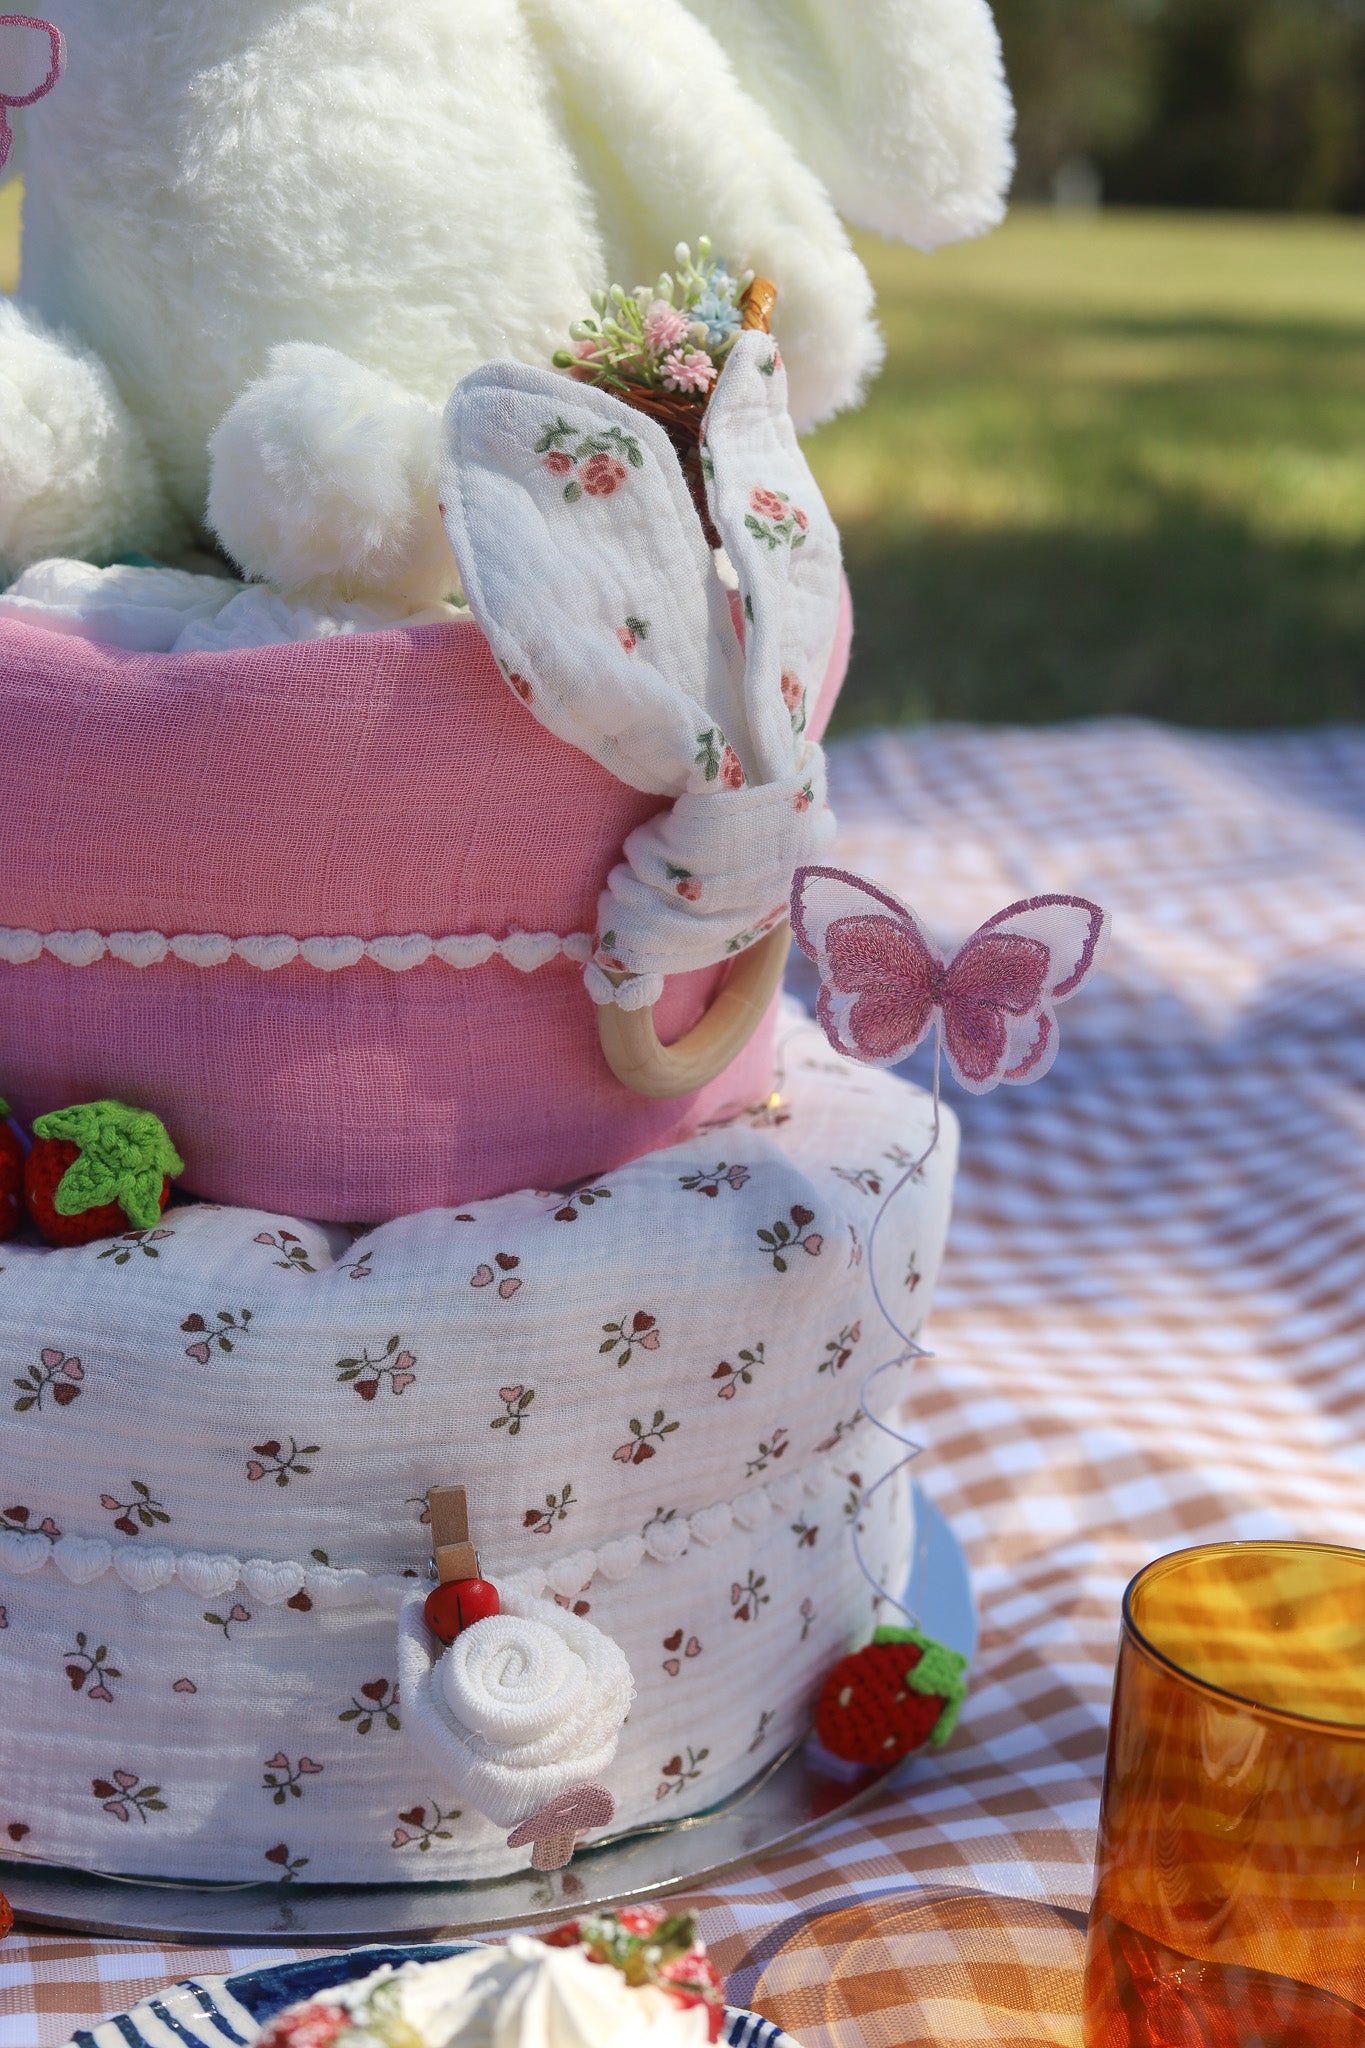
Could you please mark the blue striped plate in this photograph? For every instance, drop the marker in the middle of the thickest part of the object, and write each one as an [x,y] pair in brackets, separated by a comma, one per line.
[228,2012]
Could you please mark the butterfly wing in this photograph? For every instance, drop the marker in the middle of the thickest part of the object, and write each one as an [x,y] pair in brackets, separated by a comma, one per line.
[1002,988]
[880,974]
[32,53]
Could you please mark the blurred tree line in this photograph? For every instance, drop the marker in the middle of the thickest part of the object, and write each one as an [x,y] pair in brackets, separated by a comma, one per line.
[1216,103]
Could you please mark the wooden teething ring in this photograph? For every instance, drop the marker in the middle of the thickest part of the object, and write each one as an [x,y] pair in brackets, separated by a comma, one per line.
[630,1044]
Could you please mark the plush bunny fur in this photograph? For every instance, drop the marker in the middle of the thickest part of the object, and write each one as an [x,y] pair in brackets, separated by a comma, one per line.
[424,185]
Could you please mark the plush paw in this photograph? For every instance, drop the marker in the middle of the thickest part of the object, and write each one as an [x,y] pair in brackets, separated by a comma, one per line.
[323,482]
[76,477]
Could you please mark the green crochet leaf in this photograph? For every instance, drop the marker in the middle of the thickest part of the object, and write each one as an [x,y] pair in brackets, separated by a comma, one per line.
[940,1672]
[125,1156]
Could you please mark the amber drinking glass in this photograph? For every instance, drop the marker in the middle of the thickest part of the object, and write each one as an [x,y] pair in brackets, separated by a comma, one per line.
[1229,1907]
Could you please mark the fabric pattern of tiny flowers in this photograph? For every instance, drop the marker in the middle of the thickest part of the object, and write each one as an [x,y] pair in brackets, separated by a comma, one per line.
[673,335]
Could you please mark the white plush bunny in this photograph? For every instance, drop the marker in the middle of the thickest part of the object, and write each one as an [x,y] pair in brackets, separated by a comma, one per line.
[290,226]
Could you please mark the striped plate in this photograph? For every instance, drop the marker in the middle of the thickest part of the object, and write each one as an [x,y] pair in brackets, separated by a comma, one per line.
[228,2012]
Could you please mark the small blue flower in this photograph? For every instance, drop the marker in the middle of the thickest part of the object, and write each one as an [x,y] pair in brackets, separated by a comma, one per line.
[716,309]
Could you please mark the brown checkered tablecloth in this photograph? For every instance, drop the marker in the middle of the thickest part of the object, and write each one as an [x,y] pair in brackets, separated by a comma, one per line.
[1149,1331]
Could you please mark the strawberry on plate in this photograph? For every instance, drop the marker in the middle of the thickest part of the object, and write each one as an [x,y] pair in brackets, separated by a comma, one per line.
[97,1168]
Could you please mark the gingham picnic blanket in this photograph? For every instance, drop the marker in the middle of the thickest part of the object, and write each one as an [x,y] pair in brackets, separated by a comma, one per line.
[1149,1334]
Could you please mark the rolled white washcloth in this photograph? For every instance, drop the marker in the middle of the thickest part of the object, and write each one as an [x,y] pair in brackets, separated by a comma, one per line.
[522,1707]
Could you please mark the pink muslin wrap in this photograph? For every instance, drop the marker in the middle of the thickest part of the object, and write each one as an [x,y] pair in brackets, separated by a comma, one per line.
[359,786]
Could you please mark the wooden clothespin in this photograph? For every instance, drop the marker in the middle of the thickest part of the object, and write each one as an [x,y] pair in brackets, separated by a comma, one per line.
[454,1555]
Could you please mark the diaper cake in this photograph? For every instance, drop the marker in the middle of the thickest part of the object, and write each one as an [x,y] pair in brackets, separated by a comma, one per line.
[438,1285]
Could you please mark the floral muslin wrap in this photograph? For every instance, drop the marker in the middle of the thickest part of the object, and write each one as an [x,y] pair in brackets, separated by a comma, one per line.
[585,564]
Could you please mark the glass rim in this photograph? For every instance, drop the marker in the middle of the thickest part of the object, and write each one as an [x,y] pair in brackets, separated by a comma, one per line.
[1284,1716]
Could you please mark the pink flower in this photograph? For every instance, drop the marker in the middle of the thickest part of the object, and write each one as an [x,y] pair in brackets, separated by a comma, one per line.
[767,504]
[690,889]
[184,1685]
[650,1341]
[107,1501]
[799,516]
[558,463]
[602,475]
[400,1835]
[623,1454]
[793,689]
[239,1613]
[509,1394]
[127,1779]
[263,1237]
[663,326]
[198,1352]
[521,686]
[307,1768]
[813,1246]
[278,1762]
[731,771]
[73,1369]
[52,1359]
[255,1470]
[117,1808]
[627,639]
[693,371]
[99,1692]
[401,1380]
[507,1288]
[737,1177]
[801,802]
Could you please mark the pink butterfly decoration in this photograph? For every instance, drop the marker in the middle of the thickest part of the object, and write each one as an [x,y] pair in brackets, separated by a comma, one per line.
[32,58]
[884,983]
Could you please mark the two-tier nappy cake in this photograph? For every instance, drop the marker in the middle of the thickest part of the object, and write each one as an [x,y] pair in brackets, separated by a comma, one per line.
[439,1284]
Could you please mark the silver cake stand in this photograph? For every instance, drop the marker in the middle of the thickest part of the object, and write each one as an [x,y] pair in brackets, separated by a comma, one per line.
[798,1793]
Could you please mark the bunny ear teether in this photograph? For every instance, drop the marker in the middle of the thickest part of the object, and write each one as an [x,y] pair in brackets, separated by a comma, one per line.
[584,562]
[32,59]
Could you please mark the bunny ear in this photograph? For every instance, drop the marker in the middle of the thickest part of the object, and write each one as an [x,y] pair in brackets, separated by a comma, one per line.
[782,542]
[584,562]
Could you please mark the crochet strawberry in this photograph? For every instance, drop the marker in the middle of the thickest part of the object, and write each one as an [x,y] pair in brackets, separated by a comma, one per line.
[11,1177]
[96,1169]
[900,1691]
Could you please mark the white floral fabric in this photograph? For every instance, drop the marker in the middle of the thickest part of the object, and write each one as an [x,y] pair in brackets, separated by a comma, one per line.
[219,1436]
[585,564]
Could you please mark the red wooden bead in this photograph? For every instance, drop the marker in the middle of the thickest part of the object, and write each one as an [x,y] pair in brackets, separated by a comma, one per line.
[458,1604]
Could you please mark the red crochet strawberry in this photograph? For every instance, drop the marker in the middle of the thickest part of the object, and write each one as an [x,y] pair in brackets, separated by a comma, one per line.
[96,1169]
[899,1692]
[11,1177]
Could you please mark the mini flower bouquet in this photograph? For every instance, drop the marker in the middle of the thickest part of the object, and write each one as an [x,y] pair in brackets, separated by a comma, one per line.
[661,347]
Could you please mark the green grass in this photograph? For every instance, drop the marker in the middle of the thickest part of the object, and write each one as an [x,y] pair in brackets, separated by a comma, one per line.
[1114,464]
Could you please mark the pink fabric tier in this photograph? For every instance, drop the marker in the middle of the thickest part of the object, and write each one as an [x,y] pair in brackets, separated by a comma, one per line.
[358,786]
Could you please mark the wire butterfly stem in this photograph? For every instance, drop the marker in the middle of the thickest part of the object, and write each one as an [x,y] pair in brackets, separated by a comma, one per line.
[912,1350]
